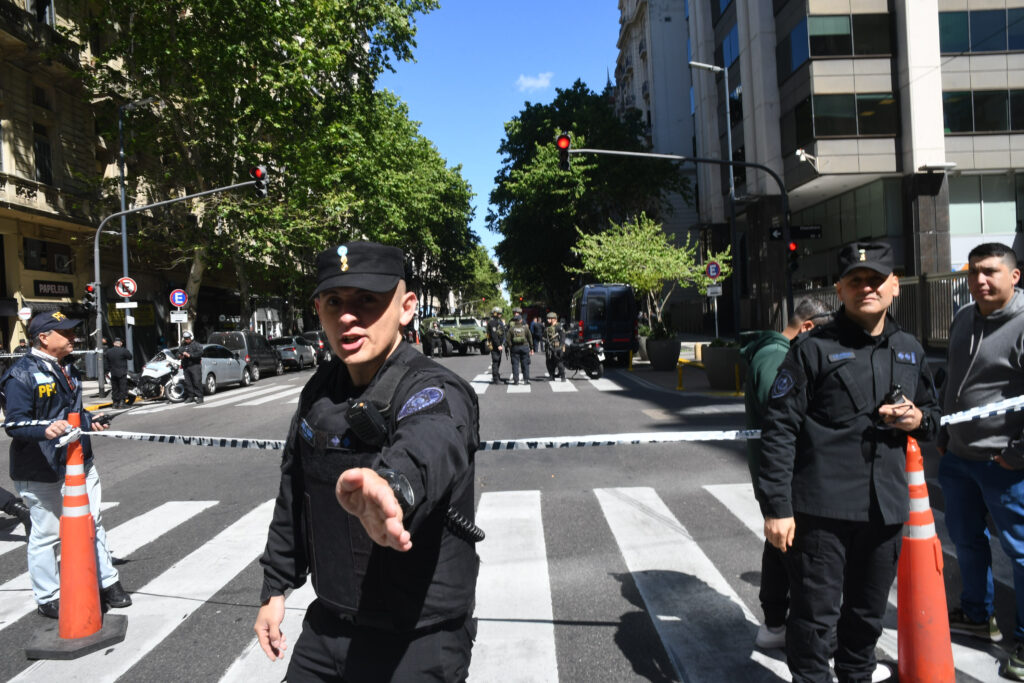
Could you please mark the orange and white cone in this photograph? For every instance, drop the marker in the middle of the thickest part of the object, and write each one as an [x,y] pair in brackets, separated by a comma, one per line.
[80,613]
[925,651]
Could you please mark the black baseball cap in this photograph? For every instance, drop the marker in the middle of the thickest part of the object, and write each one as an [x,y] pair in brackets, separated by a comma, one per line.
[364,265]
[876,256]
[118,339]
[46,322]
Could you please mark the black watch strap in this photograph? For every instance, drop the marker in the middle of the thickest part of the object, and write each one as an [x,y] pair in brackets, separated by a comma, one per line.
[402,488]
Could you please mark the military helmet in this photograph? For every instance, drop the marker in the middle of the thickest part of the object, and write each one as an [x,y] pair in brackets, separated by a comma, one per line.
[552,315]
[495,311]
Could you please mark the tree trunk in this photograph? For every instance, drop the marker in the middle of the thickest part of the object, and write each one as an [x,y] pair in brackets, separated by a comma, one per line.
[244,310]
[195,280]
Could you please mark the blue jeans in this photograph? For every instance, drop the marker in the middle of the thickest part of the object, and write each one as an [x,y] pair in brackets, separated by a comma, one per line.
[46,503]
[973,488]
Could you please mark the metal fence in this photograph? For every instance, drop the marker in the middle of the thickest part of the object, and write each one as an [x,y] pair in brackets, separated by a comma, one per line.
[925,307]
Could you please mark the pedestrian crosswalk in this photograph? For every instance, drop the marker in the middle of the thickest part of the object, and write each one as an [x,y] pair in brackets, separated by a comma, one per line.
[694,606]
[482,383]
[242,397]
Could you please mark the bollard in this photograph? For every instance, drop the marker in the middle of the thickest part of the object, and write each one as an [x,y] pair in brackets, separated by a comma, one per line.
[679,371]
[630,368]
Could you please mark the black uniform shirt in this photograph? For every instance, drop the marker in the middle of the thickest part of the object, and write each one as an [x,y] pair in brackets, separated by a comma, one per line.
[822,451]
[195,353]
[434,435]
[496,331]
[117,358]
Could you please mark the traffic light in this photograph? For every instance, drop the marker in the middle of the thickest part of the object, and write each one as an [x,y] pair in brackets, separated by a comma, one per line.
[89,298]
[794,255]
[563,142]
[259,174]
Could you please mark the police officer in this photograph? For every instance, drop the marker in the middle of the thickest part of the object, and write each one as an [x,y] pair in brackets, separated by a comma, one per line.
[520,343]
[376,495]
[496,340]
[192,364]
[21,348]
[832,483]
[117,358]
[38,387]
[554,346]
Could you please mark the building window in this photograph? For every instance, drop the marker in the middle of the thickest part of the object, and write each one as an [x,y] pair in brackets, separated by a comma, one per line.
[994,30]
[1017,110]
[736,106]
[988,30]
[41,148]
[48,256]
[42,10]
[835,115]
[731,47]
[991,111]
[876,114]
[40,98]
[830,35]
[871,34]
[957,116]
[792,51]
[982,204]
[797,127]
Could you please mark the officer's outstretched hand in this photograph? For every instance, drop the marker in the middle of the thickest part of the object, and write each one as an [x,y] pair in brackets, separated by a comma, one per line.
[905,416]
[365,494]
[268,628]
[780,532]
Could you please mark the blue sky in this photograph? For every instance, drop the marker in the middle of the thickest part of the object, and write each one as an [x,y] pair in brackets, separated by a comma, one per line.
[479,61]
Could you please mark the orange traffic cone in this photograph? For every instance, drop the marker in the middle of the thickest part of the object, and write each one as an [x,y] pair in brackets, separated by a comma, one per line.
[925,651]
[80,613]
[81,627]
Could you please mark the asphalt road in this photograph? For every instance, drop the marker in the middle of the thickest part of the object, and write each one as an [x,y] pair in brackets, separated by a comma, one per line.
[613,563]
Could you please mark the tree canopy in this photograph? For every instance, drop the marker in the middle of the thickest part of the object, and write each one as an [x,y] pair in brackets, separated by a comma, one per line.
[289,85]
[538,209]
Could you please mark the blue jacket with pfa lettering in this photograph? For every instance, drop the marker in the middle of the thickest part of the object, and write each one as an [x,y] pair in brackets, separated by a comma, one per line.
[35,388]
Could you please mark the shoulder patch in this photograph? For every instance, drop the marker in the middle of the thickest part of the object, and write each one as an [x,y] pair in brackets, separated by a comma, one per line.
[421,400]
[783,383]
[906,357]
[836,357]
[41,378]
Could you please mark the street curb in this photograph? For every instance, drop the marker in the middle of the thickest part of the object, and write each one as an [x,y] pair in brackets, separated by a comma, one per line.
[674,392]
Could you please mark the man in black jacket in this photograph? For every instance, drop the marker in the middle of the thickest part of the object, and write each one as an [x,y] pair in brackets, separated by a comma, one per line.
[117,358]
[496,341]
[832,484]
[192,366]
[376,494]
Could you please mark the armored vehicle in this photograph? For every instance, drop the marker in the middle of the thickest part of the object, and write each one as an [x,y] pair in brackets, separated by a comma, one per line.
[445,336]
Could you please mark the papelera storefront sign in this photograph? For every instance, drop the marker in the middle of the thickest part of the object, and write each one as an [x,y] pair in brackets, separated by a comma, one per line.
[53,288]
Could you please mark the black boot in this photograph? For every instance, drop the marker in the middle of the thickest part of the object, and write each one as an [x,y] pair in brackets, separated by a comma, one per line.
[17,509]
[115,595]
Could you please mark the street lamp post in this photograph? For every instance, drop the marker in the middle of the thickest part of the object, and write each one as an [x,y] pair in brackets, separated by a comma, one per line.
[130,106]
[732,182]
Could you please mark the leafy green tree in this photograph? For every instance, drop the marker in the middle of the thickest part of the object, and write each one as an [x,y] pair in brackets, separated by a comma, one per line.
[289,85]
[538,208]
[639,253]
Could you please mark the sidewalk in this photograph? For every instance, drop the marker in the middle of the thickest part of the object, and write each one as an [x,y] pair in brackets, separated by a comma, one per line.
[694,379]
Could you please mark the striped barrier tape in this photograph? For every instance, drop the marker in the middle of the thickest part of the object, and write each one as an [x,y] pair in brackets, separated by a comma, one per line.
[588,441]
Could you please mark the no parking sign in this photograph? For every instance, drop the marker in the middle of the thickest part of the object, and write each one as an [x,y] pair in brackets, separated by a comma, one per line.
[179,298]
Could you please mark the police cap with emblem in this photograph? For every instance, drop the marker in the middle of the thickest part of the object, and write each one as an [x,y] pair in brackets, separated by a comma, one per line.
[46,322]
[876,256]
[363,265]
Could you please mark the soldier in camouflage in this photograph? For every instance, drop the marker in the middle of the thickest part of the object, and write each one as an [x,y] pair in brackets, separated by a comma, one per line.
[554,346]
[520,343]
[496,342]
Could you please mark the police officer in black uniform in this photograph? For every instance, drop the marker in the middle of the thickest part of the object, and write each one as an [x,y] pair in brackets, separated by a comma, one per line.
[376,495]
[191,353]
[520,343]
[832,483]
[496,339]
[117,358]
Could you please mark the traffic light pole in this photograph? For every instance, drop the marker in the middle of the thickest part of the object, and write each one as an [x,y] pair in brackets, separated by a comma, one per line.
[101,375]
[721,162]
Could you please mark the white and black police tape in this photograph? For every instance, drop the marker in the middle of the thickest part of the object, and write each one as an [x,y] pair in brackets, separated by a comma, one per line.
[544,442]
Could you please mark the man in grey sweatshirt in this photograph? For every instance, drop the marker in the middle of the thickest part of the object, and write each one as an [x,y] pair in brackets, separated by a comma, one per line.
[982,467]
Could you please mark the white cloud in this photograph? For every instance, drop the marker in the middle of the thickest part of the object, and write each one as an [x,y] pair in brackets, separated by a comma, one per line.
[534,82]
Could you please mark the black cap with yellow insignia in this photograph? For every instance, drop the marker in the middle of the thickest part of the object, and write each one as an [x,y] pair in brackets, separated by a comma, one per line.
[876,256]
[363,265]
[46,322]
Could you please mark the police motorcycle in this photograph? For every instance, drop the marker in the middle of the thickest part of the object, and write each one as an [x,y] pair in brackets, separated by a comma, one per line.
[586,356]
[134,388]
[163,375]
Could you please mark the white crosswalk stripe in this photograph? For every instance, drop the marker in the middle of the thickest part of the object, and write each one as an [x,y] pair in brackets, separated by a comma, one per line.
[8,546]
[273,397]
[704,626]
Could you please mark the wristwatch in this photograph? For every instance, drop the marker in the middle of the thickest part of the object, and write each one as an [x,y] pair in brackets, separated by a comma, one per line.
[399,483]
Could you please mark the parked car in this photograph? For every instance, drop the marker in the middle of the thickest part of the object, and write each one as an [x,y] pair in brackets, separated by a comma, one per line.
[320,345]
[259,356]
[296,351]
[223,366]
[608,312]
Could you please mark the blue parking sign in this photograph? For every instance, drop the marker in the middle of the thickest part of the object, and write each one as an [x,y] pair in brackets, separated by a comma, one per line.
[179,298]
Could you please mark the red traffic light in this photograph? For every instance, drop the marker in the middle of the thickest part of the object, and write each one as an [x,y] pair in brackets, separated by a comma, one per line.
[258,173]
[792,247]
[563,142]
[90,288]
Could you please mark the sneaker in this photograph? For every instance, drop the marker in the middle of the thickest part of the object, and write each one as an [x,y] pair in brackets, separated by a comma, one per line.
[985,630]
[115,595]
[51,609]
[1013,668]
[770,637]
